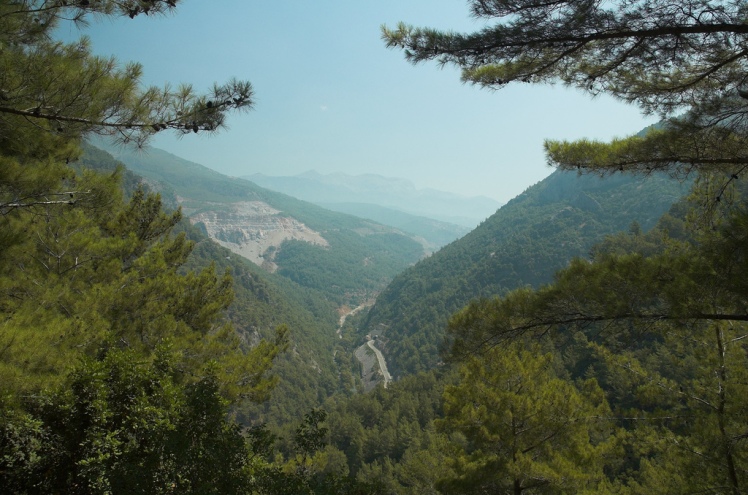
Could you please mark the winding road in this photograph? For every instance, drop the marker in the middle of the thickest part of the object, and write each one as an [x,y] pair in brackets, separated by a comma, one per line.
[358,308]
[380,357]
[382,363]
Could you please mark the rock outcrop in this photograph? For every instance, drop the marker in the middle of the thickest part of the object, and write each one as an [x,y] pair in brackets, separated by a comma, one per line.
[253,229]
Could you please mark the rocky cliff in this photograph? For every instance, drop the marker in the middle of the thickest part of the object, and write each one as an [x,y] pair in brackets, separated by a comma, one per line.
[252,229]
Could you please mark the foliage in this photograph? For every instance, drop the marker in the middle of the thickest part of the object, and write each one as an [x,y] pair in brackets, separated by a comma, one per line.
[681,281]
[66,91]
[353,265]
[522,244]
[525,430]
[118,364]
[305,376]
[675,385]
[664,57]
[312,467]
[387,436]
[102,274]
[666,334]
[123,425]
[660,322]
[361,256]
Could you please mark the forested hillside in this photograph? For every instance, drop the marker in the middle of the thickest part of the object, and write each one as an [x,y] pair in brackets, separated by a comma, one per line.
[129,341]
[626,373]
[346,257]
[588,338]
[524,243]
[262,301]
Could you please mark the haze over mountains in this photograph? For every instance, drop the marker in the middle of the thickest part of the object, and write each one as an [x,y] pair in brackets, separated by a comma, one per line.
[336,190]
[317,265]
[348,258]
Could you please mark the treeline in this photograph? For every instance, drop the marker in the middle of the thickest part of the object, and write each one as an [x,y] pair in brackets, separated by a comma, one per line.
[120,367]
[261,302]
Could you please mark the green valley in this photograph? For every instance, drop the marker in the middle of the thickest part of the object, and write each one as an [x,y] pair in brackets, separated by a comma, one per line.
[523,244]
[168,329]
[347,258]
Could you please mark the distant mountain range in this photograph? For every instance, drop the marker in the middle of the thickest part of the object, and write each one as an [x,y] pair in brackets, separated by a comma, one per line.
[341,192]
[347,258]
[432,234]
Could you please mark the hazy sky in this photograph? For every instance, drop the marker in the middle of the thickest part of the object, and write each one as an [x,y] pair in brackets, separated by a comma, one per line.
[332,98]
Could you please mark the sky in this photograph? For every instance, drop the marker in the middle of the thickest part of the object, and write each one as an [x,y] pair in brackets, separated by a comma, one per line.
[331,97]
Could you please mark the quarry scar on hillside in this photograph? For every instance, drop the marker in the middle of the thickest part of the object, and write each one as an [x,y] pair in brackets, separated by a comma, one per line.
[254,229]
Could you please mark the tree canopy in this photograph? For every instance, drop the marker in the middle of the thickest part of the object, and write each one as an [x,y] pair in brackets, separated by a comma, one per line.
[80,263]
[685,61]
[659,317]
[63,89]
[117,364]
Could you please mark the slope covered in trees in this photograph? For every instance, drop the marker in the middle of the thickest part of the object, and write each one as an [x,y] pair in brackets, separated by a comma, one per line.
[656,320]
[625,374]
[120,363]
[262,301]
[350,260]
[524,243]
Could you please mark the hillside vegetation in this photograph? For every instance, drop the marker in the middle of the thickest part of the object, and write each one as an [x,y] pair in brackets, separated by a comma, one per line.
[359,258]
[591,337]
[524,243]
[261,303]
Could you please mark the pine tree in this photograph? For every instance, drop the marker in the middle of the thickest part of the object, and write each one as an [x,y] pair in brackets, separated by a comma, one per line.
[117,366]
[64,90]
[81,270]
[668,332]
[684,61]
[677,312]
[525,430]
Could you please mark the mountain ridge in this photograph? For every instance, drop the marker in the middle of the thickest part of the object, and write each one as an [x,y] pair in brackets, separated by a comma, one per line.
[396,193]
[523,244]
[348,258]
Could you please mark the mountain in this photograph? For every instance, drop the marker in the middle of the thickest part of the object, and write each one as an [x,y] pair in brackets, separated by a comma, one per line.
[308,372]
[523,243]
[392,193]
[433,234]
[347,258]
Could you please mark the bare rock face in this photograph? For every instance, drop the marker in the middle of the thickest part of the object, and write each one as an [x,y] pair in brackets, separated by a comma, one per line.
[253,229]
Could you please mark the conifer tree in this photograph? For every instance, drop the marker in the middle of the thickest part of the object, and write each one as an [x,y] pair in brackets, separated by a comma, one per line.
[668,332]
[685,61]
[526,430]
[677,313]
[78,265]
[116,368]
[61,88]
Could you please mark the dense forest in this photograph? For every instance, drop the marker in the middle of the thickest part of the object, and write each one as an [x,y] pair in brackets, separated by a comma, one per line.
[139,356]
[523,244]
